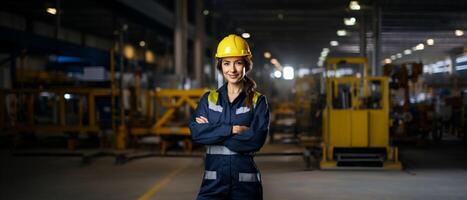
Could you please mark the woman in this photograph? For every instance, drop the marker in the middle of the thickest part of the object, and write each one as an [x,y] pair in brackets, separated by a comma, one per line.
[234,122]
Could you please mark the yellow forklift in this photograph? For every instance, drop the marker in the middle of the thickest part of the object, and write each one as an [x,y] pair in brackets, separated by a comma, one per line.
[356,118]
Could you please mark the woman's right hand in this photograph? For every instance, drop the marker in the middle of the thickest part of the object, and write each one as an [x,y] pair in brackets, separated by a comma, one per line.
[237,129]
[201,120]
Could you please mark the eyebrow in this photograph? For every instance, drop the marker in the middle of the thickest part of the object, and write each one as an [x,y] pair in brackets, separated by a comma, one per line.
[241,60]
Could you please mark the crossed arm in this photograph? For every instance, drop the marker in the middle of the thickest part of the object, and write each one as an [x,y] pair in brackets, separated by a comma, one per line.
[236,129]
[236,137]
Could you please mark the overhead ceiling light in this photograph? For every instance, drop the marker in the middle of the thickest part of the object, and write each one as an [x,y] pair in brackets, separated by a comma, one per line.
[280,16]
[277,74]
[407,52]
[399,55]
[354,5]
[288,73]
[350,21]
[334,43]
[324,54]
[149,57]
[52,11]
[205,12]
[459,33]
[341,33]
[246,35]
[274,61]
[430,42]
[393,57]
[142,43]
[387,61]
[267,55]
[419,47]
[129,51]
[325,49]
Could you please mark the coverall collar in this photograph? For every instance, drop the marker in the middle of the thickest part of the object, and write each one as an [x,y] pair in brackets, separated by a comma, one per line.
[224,93]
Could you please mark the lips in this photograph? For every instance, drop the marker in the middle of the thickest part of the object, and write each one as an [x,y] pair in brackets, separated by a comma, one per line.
[233,76]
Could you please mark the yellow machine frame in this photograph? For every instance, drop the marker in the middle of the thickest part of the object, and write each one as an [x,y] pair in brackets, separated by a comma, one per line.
[356,127]
[163,124]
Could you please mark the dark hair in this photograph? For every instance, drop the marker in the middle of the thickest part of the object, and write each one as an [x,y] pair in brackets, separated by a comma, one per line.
[249,85]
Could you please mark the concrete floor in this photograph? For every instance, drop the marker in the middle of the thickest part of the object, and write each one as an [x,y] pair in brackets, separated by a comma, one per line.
[437,172]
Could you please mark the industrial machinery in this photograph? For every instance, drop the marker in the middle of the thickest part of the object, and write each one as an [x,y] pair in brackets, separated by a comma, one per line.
[410,115]
[307,104]
[71,111]
[168,111]
[356,118]
[284,121]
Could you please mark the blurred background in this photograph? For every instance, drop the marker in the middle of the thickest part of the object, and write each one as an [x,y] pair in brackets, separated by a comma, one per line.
[368,98]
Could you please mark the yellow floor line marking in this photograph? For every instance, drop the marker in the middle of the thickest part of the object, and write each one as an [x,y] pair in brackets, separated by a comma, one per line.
[161,184]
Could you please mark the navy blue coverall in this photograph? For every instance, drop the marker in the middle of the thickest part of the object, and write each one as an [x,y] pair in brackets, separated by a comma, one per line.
[230,171]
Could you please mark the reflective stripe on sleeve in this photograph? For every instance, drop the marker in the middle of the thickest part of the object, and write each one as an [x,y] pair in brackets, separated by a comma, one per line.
[210,175]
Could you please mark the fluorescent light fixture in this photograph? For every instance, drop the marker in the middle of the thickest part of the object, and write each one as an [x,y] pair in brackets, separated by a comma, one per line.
[459,33]
[461,63]
[399,55]
[52,11]
[461,67]
[277,74]
[430,42]
[350,21]
[288,73]
[267,55]
[325,49]
[205,12]
[67,96]
[341,33]
[246,35]
[317,70]
[324,54]
[393,57]
[334,43]
[407,52]
[354,5]
[303,72]
[461,59]
[142,43]
[387,61]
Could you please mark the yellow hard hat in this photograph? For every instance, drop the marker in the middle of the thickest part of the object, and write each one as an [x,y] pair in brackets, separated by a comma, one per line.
[231,46]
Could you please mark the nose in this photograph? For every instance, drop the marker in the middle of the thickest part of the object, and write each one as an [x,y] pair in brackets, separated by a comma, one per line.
[232,68]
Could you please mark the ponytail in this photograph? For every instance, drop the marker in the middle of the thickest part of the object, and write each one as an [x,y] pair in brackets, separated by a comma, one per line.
[249,86]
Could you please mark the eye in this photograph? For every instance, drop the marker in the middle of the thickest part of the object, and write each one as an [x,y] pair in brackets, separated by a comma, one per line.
[239,62]
[225,63]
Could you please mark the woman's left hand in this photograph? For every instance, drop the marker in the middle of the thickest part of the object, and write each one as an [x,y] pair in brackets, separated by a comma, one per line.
[237,129]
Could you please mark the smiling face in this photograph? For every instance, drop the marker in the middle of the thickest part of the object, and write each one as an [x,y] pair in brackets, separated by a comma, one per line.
[233,69]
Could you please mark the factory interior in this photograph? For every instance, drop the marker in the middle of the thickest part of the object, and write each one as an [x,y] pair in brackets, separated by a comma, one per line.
[367,99]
